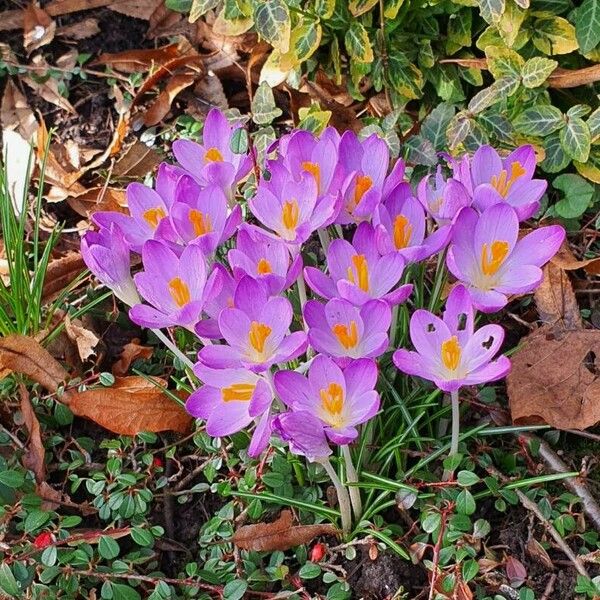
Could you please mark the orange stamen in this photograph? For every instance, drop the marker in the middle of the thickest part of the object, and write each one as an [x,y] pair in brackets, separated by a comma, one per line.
[290,214]
[362,272]
[238,392]
[179,291]
[492,260]
[213,155]
[315,170]
[503,182]
[259,332]
[200,222]
[153,216]
[402,232]
[347,337]
[451,352]
[332,398]
[264,267]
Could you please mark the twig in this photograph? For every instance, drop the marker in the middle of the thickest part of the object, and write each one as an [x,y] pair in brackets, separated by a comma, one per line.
[549,588]
[576,485]
[436,549]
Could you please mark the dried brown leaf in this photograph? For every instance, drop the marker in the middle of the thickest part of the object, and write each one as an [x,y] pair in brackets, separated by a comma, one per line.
[161,106]
[86,28]
[15,112]
[554,380]
[555,299]
[131,351]
[22,354]
[83,338]
[279,535]
[61,272]
[164,22]
[138,161]
[130,406]
[48,87]
[133,61]
[565,259]
[89,201]
[138,9]
[538,553]
[33,458]
[38,28]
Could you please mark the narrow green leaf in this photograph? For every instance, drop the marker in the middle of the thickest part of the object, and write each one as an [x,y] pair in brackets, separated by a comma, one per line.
[576,139]
[539,121]
[8,583]
[587,25]
[536,70]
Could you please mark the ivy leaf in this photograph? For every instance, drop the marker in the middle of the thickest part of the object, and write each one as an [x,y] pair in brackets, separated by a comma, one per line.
[556,158]
[500,89]
[510,24]
[358,44]
[420,151]
[554,35]
[578,110]
[201,7]
[305,40]
[539,121]
[273,23]
[391,8]
[577,195]
[536,70]
[435,124]
[504,62]
[587,25]
[491,10]
[459,31]
[575,139]
[593,124]
[263,106]
[591,168]
[458,130]
[324,8]
[497,125]
[405,77]
[359,7]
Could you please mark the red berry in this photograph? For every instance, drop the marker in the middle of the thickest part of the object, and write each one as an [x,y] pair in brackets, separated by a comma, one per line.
[317,552]
[157,462]
[43,540]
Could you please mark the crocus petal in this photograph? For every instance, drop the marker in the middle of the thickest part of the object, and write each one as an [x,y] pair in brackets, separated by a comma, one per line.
[399,295]
[458,307]
[412,363]
[482,346]
[292,347]
[261,435]
[203,401]
[490,372]
[228,418]
[487,301]
[304,433]
[360,376]
[486,164]
[320,283]
[539,246]
[363,407]
[427,333]
[217,130]
[339,258]
[261,399]
[323,372]
[519,279]
[497,223]
[220,357]
[293,390]
[146,316]
[343,436]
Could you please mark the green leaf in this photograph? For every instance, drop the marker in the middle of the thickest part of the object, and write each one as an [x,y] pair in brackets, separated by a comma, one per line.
[405,77]
[579,110]
[324,8]
[554,35]
[459,31]
[121,591]
[435,124]
[108,548]
[536,70]
[12,479]
[576,139]
[181,6]
[593,124]
[556,159]
[497,125]
[458,130]
[465,503]
[309,571]
[8,583]
[577,195]
[239,141]
[431,522]
[420,151]
[359,7]
[142,536]
[263,106]
[391,8]
[539,121]
[358,44]
[272,22]
[48,556]
[201,7]
[235,590]
[510,24]
[587,25]
[36,519]
[500,89]
[305,39]
[491,10]
[470,568]
[591,168]
[504,62]
[467,478]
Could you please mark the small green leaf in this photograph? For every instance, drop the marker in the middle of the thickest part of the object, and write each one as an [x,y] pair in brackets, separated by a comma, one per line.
[405,77]
[467,478]
[36,519]
[556,159]
[536,70]
[579,110]
[263,106]
[483,99]
[491,10]
[121,591]
[470,568]
[504,62]
[358,44]
[458,129]
[576,140]
[8,583]
[540,121]
[420,151]
[272,22]
[577,195]
[142,536]
[587,25]
[465,503]
[554,35]
[431,522]
[12,479]
[324,8]
[391,8]
[108,548]
[435,124]
[359,7]
[201,7]
[235,590]
[309,571]
[239,141]
[305,39]
[459,30]
[593,124]
[48,557]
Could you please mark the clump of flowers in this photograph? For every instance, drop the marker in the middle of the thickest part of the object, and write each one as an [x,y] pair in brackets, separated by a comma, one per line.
[309,375]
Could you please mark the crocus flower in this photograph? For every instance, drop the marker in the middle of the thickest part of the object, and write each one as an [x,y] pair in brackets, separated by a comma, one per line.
[200,215]
[344,331]
[264,258]
[256,331]
[289,207]
[208,327]
[229,401]
[365,165]
[148,218]
[176,286]
[493,179]
[401,227]
[486,256]
[358,273]
[213,161]
[449,351]
[442,198]
[339,399]
[107,256]
[304,433]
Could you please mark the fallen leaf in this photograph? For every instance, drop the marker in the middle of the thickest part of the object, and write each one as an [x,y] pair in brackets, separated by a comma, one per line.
[164,22]
[61,272]
[515,571]
[38,28]
[161,106]
[554,379]
[22,354]
[81,30]
[15,112]
[137,161]
[33,458]
[18,160]
[279,535]
[555,299]
[566,260]
[46,86]
[138,9]
[131,351]
[89,201]
[134,61]
[83,338]
[538,553]
[210,89]
[130,406]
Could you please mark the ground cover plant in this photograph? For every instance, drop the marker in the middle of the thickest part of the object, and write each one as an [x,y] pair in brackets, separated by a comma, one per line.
[336,338]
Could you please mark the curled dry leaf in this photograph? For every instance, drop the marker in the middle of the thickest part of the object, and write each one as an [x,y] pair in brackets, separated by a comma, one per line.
[22,354]
[279,535]
[565,259]
[99,198]
[38,28]
[134,61]
[48,87]
[86,28]
[138,9]
[83,338]
[15,112]
[137,161]
[61,272]
[161,106]
[33,458]
[554,379]
[131,351]
[130,406]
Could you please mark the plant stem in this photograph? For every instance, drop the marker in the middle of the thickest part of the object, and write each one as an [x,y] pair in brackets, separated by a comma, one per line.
[394,326]
[173,348]
[324,239]
[455,422]
[342,496]
[352,477]
[301,291]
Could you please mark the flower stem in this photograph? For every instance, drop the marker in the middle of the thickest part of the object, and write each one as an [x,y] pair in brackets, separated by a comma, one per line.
[342,496]
[394,326]
[455,422]
[301,291]
[352,477]
[324,239]
[173,348]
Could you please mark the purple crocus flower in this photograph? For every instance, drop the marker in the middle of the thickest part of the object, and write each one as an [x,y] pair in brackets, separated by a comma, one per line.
[358,273]
[344,331]
[486,256]
[213,161]
[365,165]
[401,227]
[339,399]
[209,327]
[107,256]
[442,198]
[256,331]
[176,286]
[449,351]
[148,218]
[304,433]
[289,207]
[264,258]
[200,215]
[230,400]
[492,179]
